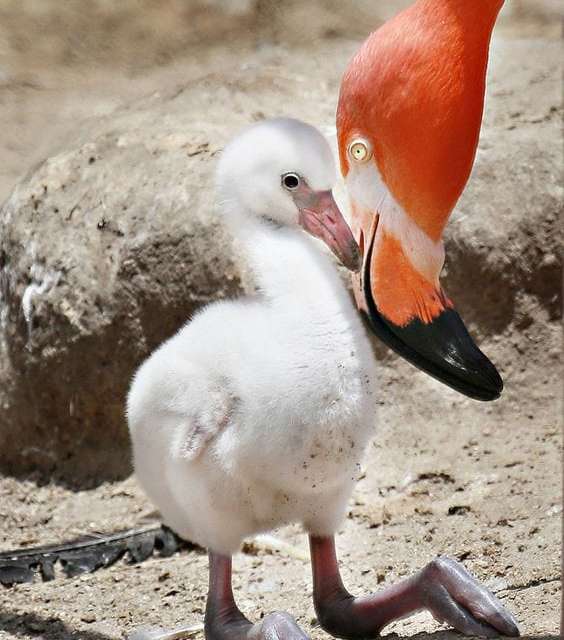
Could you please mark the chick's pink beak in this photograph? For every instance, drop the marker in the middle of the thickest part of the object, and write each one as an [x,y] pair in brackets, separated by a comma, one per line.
[320,216]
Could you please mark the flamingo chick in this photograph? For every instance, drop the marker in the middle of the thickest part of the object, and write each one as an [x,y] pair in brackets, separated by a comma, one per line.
[257,412]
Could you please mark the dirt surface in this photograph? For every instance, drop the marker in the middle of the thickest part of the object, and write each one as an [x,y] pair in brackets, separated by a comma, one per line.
[478,482]
[481,483]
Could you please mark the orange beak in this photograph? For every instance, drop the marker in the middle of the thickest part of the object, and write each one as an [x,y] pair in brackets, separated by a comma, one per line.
[413,96]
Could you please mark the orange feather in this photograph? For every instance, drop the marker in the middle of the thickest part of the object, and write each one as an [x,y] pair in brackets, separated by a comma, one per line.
[401,292]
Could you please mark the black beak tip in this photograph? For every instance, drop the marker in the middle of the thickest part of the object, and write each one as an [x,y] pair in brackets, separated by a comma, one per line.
[494,383]
[487,382]
[445,350]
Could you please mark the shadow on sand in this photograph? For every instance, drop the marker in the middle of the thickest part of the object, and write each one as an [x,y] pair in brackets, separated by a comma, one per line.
[24,625]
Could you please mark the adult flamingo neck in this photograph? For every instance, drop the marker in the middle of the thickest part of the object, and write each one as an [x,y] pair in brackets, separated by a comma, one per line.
[479,12]
[468,22]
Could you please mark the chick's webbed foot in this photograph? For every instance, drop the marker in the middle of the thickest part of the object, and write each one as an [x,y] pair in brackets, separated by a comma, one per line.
[454,596]
[443,587]
[278,625]
[224,620]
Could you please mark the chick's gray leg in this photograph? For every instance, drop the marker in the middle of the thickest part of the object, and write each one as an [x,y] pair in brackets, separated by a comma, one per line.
[443,587]
[224,621]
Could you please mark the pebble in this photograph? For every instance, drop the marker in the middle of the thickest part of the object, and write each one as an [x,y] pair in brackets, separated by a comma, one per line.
[88,617]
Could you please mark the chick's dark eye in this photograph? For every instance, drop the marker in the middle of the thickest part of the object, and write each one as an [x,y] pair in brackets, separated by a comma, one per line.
[291,181]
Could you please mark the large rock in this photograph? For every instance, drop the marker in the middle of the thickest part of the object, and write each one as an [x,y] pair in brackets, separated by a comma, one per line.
[106,250]
[109,246]
[504,240]
[141,33]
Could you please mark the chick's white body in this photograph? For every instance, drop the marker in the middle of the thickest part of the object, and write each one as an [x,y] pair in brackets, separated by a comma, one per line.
[257,412]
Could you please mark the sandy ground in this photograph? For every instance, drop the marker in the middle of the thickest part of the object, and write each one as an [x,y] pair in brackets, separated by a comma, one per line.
[478,482]
[445,475]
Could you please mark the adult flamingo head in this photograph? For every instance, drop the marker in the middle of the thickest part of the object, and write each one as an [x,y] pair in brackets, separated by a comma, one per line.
[408,121]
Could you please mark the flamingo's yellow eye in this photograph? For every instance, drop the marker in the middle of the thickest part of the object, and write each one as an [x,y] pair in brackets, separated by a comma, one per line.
[360,150]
